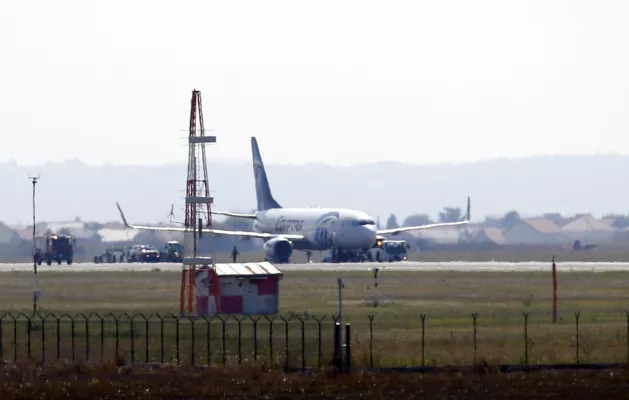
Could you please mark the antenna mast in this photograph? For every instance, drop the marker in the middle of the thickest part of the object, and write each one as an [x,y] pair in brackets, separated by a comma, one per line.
[198,200]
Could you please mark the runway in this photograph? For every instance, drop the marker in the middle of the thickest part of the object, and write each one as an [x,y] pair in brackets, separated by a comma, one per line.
[458,266]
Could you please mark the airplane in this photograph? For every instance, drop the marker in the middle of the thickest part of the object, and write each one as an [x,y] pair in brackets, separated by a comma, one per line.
[286,229]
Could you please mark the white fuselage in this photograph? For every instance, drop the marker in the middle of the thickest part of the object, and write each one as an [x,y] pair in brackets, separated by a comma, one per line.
[323,228]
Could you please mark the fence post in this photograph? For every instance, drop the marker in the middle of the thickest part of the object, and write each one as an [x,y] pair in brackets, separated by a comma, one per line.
[117,322]
[474,317]
[286,348]
[423,317]
[319,339]
[102,337]
[576,322]
[14,338]
[2,343]
[192,320]
[526,338]
[371,340]
[58,337]
[72,319]
[303,343]
[43,338]
[161,338]
[255,337]
[224,339]
[146,336]
[348,348]
[29,328]
[177,339]
[132,335]
[239,321]
[208,333]
[627,314]
[87,337]
[337,346]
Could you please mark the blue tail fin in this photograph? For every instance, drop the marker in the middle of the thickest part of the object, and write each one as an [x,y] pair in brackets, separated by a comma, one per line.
[263,191]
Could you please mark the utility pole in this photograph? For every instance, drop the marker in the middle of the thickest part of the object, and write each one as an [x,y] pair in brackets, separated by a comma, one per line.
[34,180]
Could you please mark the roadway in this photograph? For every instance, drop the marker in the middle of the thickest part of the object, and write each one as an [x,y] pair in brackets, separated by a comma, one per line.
[399,266]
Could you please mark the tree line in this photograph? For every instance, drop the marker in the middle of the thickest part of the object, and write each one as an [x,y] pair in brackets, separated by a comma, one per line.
[507,221]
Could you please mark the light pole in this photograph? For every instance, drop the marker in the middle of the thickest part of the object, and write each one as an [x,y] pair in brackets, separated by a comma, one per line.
[34,180]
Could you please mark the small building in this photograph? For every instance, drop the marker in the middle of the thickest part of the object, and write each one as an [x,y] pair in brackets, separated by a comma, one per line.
[489,235]
[534,231]
[238,288]
[440,235]
[588,229]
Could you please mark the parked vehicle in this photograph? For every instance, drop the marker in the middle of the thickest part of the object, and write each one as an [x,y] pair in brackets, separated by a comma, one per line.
[143,253]
[173,252]
[388,250]
[53,247]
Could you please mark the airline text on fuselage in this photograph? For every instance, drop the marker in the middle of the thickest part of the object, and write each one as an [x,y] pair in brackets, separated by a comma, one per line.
[289,225]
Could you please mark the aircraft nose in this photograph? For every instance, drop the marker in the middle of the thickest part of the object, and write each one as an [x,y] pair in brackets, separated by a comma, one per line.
[369,234]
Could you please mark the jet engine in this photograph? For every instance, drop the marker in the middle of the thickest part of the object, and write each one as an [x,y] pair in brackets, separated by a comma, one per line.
[278,250]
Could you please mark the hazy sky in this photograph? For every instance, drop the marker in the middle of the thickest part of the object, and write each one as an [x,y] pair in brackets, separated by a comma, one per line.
[338,82]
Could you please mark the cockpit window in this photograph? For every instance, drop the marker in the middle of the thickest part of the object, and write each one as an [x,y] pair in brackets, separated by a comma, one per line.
[366,222]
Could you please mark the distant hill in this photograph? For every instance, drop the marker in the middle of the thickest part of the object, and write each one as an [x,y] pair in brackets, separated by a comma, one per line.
[566,184]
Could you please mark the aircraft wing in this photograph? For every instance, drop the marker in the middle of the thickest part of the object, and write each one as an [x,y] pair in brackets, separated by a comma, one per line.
[235,215]
[396,231]
[209,230]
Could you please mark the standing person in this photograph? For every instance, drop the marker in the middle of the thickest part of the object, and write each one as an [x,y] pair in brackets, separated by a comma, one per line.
[308,255]
[235,253]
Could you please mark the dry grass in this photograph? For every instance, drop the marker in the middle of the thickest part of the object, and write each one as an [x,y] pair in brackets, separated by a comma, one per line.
[506,254]
[119,382]
[446,298]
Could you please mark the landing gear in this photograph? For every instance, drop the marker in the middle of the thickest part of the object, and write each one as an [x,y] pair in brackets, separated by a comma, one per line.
[345,256]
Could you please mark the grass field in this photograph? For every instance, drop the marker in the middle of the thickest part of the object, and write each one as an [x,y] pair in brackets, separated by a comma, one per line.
[112,382]
[446,299]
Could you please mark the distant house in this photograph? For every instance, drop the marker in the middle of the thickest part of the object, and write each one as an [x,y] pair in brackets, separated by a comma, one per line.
[621,236]
[588,229]
[10,236]
[441,235]
[490,235]
[534,231]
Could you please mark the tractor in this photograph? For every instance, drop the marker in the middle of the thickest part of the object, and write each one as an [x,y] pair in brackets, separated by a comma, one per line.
[173,252]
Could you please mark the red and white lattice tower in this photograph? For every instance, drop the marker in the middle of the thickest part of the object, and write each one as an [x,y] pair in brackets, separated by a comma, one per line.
[198,202]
